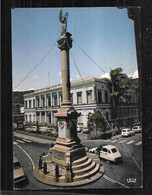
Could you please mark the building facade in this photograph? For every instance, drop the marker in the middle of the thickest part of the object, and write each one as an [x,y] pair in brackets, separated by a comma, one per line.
[17,105]
[131,108]
[86,95]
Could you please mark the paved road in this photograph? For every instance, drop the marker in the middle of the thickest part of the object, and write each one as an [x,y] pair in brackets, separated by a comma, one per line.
[27,150]
[131,151]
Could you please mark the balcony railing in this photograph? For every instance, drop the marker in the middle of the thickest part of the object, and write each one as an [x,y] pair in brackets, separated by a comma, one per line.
[47,107]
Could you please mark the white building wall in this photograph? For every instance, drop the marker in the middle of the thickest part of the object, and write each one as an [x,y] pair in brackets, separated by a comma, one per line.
[84,109]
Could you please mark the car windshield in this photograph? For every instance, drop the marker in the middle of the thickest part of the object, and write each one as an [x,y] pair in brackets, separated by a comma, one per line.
[114,150]
[17,165]
[124,131]
[135,127]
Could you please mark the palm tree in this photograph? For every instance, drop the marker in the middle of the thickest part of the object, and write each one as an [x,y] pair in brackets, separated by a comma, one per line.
[118,90]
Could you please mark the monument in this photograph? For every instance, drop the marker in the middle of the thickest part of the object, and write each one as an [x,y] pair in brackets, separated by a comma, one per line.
[67,163]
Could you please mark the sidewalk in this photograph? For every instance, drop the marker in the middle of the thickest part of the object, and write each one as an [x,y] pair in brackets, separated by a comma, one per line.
[32,138]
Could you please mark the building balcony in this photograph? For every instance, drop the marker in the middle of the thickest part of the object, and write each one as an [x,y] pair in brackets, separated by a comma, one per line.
[47,108]
[29,109]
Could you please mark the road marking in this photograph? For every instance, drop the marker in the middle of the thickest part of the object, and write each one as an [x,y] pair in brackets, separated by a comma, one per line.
[122,184]
[122,141]
[15,143]
[27,140]
[114,181]
[109,179]
[130,142]
[20,141]
[27,156]
[139,143]
[113,141]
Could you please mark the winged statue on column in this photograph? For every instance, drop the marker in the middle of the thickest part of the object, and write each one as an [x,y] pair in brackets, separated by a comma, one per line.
[63,20]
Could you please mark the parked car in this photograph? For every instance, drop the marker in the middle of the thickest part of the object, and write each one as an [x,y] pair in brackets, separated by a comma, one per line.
[127,132]
[43,129]
[32,128]
[85,130]
[110,154]
[54,132]
[19,175]
[78,129]
[137,129]
[93,150]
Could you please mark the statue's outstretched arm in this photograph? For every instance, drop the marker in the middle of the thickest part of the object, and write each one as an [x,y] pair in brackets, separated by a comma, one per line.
[60,16]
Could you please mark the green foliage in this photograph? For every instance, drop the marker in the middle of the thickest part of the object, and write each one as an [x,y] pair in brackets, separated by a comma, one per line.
[118,86]
[97,119]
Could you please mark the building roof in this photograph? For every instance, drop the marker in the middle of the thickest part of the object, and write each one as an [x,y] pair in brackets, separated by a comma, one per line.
[73,83]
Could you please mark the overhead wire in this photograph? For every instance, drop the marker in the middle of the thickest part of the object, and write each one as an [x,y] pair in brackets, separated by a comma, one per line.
[113,132]
[35,66]
[88,56]
[76,66]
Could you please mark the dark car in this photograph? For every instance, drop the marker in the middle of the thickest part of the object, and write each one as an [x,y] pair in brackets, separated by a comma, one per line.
[19,175]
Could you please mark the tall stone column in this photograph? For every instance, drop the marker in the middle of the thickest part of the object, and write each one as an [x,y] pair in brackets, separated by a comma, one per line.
[67,115]
[65,44]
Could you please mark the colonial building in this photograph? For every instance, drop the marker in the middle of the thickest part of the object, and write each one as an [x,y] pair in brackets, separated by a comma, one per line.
[86,95]
[133,107]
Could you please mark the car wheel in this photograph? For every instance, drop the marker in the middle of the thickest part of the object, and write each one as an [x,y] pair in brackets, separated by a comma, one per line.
[108,161]
[114,161]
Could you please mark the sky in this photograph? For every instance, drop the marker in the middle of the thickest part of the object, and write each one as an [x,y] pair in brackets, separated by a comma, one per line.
[102,37]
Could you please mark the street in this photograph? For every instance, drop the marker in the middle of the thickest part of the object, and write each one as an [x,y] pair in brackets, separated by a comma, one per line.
[127,174]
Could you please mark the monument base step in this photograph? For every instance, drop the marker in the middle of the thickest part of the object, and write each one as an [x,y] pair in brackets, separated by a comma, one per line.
[78,182]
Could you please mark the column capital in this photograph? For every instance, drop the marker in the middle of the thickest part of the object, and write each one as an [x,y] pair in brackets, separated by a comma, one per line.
[65,41]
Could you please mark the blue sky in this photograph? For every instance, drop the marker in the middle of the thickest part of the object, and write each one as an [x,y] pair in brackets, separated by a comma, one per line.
[105,34]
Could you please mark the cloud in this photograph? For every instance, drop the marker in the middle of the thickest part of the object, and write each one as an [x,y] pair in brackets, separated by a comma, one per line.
[135,75]
[59,74]
[105,75]
[36,76]
[31,89]
[18,90]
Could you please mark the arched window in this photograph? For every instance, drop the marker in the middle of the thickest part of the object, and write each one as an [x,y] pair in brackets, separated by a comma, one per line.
[107,115]
[33,117]
[30,117]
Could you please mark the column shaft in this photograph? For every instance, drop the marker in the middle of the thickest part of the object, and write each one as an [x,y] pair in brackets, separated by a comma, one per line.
[65,76]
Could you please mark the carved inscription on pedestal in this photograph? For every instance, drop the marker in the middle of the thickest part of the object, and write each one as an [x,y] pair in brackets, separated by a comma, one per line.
[61,128]
[59,155]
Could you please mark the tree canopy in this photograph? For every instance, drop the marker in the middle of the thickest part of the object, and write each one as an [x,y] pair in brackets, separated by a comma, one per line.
[118,89]
[97,119]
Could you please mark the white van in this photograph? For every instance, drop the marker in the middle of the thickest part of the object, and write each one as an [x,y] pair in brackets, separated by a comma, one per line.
[137,129]
[127,132]
[110,153]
